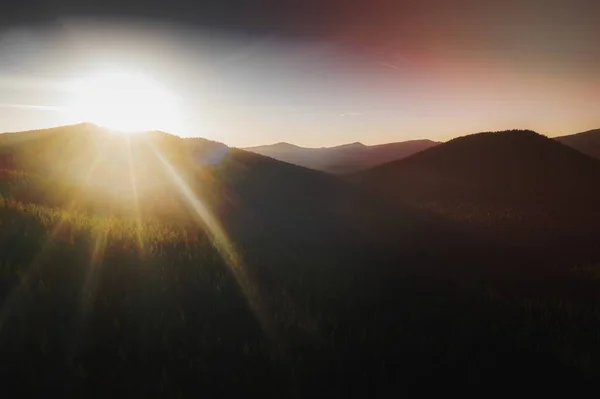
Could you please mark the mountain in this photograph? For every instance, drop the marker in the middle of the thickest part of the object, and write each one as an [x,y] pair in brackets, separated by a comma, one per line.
[586,142]
[284,219]
[160,265]
[342,159]
[517,184]
[237,184]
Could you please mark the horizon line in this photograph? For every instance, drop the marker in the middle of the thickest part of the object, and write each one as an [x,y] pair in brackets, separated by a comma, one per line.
[289,143]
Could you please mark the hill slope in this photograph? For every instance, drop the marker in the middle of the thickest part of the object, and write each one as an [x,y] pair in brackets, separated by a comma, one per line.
[517,182]
[110,171]
[159,265]
[345,158]
[586,142]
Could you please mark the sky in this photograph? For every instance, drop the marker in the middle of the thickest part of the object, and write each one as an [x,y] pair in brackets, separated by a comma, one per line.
[314,73]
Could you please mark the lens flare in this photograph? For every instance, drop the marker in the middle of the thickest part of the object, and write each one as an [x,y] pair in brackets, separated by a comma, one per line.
[227,250]
[136,206]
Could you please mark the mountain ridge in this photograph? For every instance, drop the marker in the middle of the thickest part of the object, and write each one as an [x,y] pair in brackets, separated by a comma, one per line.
[500,152]
[519,184]
[345,158]
[351,144]
[587,142]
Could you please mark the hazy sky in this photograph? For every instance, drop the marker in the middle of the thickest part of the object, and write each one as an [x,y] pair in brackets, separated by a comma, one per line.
[319,73]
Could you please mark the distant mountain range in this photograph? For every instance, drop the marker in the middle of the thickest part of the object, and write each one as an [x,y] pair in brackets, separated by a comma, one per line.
[513,181]
[251,193]
[354,157]
[164,259]
[344,158]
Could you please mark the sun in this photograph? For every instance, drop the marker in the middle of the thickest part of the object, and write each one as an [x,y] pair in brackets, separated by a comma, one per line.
[123,101]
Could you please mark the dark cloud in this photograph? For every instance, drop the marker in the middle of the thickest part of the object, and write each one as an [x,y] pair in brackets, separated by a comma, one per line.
[538,22]
[550,34]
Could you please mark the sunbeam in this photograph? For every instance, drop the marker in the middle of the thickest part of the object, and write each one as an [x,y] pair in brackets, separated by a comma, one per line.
[90,283]
[96,256]
[14,296]
[225,247]
[136,205]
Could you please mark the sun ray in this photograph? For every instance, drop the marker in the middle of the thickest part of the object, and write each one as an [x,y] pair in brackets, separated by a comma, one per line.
[96,257]
[227,250]
[90,283]
[89,286]
[15,295]
[136,205]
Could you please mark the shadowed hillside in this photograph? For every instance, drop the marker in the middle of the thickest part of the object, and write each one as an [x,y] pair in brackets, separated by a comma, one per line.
[345,158]
[586,142]
[518,184]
